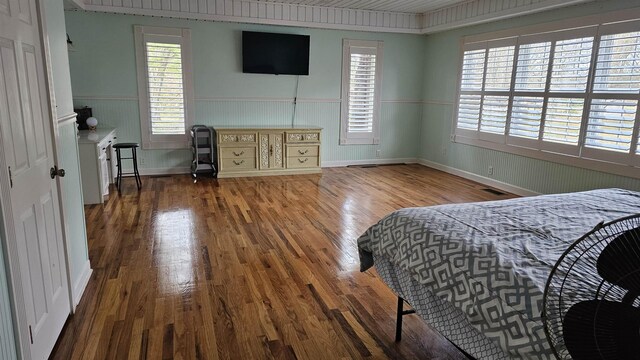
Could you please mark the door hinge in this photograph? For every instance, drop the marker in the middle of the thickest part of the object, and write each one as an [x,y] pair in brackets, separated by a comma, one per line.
[10,177]
[30,334]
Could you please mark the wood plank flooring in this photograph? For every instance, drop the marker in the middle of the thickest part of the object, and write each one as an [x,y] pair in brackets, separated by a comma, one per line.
[251,268]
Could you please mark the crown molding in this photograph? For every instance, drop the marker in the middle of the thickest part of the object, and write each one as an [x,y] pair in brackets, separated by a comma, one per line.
[272,13]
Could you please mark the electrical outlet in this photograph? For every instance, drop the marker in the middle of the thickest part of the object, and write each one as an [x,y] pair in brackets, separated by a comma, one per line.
[490,170]
[142,161]
[378,153]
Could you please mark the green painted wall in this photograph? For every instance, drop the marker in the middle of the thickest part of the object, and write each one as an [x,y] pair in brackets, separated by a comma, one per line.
[7,339]
[77,249]
[442,53]
[103,76]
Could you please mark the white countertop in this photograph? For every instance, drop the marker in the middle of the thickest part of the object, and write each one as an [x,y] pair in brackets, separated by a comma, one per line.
[94,137]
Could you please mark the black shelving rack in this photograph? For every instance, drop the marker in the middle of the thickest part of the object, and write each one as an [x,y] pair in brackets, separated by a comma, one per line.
[204,151]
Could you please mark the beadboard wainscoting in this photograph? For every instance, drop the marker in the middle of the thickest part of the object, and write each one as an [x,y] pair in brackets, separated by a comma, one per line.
[524,175]
[441,72]
[399,121]
[7,340]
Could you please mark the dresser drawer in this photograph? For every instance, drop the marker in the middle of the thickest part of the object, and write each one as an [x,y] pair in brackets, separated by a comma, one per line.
[302,137]
[238,152]
[238,164]
[303,150]
[301,162]
[237,138]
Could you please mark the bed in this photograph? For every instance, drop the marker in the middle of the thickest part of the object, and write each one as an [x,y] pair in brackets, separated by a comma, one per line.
[476,272]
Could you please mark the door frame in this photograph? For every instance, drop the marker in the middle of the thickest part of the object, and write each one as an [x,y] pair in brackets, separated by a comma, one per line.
[12,264]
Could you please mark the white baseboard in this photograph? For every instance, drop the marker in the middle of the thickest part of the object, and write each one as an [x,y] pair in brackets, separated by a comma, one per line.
[81,284]
[343,163]
[477,178]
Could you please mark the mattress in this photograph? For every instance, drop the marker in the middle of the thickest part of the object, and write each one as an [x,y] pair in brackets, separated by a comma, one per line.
[491,260]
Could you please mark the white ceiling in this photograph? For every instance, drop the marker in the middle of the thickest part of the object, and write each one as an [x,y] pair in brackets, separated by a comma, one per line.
[400,16]
[408,6]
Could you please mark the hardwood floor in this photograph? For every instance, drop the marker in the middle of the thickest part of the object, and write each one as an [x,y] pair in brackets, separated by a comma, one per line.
[251,268]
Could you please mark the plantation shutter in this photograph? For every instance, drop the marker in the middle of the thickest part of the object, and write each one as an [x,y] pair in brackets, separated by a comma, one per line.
[166,88]
[611,124]
[571,62]
[361,77]
[362,90]
[614,103]
[496,90]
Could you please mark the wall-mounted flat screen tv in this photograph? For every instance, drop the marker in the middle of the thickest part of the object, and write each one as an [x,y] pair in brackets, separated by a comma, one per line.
[271,53]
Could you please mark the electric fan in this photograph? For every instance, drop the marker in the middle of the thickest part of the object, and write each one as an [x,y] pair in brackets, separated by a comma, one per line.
[591,304]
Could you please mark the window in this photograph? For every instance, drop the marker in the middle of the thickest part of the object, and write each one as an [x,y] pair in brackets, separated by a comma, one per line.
[361,77]
[569,92]
[165,86]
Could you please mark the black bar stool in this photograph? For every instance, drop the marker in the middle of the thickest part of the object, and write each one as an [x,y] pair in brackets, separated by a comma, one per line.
[134,158]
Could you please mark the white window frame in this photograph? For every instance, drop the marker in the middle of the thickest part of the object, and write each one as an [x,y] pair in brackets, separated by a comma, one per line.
[368,138]
[582,156]
[144,34]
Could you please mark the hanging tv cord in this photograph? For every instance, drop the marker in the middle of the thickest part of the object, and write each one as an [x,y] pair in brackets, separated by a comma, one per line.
[295,102]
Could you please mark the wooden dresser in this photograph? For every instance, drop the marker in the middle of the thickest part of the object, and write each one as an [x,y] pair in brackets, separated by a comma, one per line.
[267,151]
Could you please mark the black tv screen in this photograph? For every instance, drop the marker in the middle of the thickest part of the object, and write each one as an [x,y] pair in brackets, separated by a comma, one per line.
[271,53]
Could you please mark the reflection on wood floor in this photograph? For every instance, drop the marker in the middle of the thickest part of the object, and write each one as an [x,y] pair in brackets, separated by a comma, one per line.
[251,268]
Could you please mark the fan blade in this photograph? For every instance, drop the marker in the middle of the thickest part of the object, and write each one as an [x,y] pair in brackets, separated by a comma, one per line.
[619,262]
[599,329]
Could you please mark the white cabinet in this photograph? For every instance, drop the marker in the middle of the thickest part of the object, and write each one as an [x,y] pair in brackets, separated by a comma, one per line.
[97,163]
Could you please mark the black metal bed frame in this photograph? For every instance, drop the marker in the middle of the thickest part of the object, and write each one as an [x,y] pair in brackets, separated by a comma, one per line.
[401,312]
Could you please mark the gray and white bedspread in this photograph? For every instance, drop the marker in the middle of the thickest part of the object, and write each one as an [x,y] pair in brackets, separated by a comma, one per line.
[491,260]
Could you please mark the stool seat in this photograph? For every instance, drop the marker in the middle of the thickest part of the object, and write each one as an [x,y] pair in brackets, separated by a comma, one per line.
[126,145]
[133,158]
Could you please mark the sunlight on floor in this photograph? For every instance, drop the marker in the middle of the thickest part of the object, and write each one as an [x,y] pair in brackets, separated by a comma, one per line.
[174,251]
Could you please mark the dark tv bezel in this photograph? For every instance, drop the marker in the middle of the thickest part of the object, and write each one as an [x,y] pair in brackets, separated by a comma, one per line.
[308,43]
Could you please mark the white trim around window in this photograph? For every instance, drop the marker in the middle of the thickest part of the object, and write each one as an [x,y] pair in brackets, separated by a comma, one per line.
[165,90]
[361,86]
[569,96]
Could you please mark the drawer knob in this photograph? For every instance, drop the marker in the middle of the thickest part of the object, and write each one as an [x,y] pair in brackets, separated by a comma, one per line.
[303,152]
[238,162]
[238,154]
[303,161]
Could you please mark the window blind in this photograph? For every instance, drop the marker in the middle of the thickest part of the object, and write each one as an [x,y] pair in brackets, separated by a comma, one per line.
[571,63]
[618,64]
[533,62]
[362,84]
[610,125]
[563,119]
[499,68]
[572,92]
[166,88]
[472,70]
[494,114]
[526,114]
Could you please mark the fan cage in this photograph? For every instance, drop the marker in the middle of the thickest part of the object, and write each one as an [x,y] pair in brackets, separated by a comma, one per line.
[575,278]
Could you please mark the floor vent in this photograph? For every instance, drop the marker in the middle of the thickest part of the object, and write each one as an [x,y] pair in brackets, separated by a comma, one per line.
[494,191]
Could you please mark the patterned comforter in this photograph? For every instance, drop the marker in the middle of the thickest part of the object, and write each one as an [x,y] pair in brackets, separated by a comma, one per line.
[491,260]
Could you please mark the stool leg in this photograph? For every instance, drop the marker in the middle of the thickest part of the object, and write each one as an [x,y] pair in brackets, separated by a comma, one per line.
[135,168]
[119,165]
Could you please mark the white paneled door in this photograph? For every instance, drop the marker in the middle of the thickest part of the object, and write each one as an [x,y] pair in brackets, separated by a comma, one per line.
[25,135]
